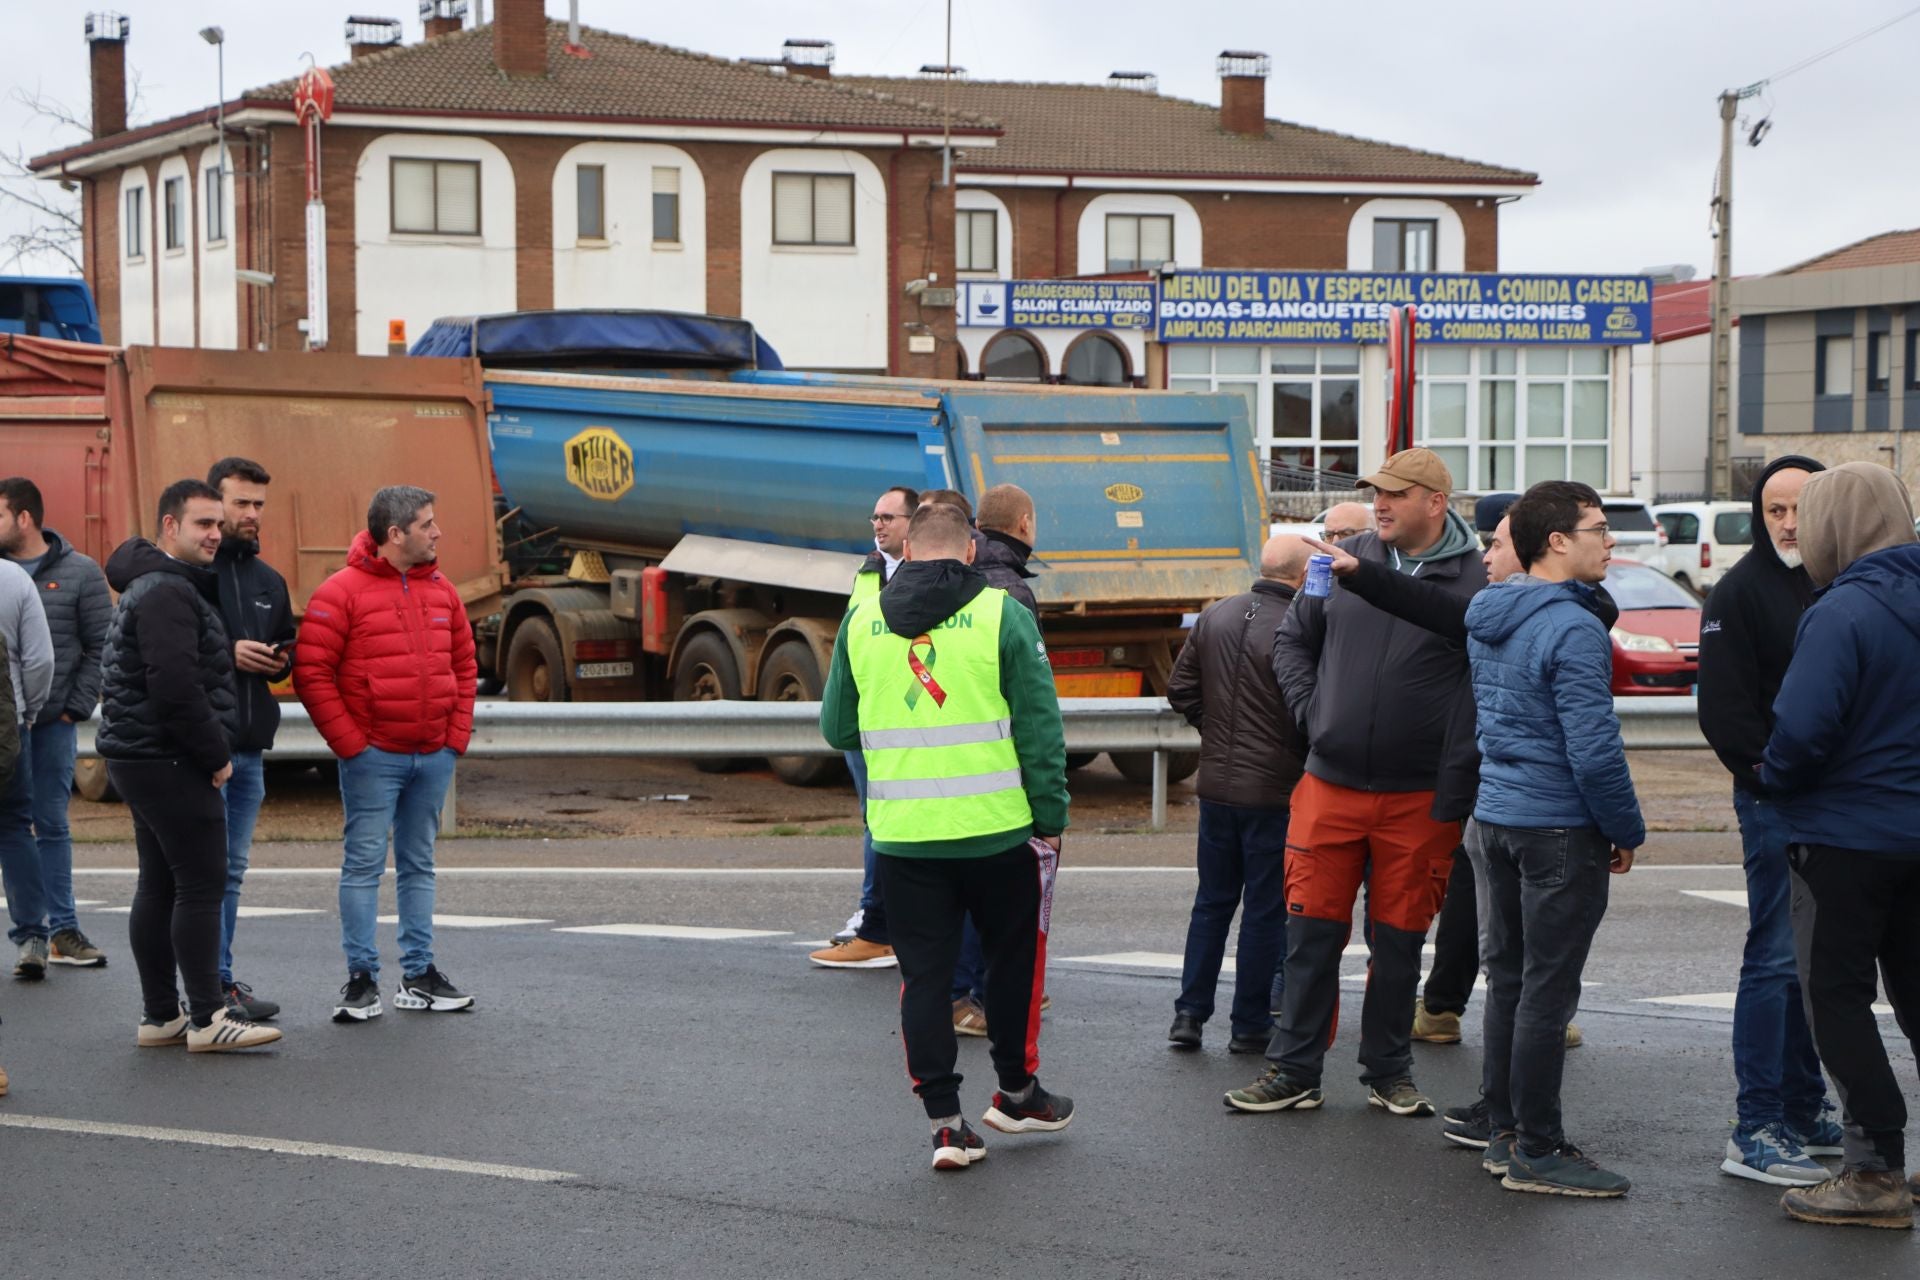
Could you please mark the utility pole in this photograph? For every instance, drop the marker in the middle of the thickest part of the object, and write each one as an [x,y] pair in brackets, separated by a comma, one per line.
[1720,416]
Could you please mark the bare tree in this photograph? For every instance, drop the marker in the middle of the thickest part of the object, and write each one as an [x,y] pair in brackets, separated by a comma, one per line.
[50,213]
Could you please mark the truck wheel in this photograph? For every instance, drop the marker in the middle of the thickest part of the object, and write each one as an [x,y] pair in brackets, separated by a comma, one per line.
[90,780]
[792,674]
[1081,759]
[536,670]
[1137,766]
[707,673]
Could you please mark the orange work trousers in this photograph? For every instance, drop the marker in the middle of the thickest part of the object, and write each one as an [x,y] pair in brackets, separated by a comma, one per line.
[1336,831]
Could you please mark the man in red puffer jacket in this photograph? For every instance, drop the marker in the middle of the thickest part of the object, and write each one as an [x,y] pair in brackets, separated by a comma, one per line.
[385,666]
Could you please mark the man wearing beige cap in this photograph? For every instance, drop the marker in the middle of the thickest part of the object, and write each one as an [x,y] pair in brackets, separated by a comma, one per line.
[1374,695]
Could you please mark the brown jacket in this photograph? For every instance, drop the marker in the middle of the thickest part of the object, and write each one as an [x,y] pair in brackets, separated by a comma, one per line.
[1251,751]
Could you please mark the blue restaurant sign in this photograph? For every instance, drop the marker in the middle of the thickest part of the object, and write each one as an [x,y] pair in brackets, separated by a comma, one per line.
[1057,304]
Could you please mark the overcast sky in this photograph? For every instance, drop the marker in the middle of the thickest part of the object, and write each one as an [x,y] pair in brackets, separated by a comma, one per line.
[1612,105]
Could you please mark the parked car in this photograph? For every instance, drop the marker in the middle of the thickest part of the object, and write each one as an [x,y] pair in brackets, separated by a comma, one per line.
[1704,539]
[1656,642]
[48,307]
[1635,530]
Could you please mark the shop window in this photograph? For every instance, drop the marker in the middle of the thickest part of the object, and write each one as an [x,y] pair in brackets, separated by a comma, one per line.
[1833,374]
[1095,360]
[136,222]
[1503,418]
[1013,357]
[1139,241]
[174,193]
[977,240]
[1316,413]
[590,201]
[436,197]
[666,205]
[1879,361]
[813,208]
[216,183]
[1404,244]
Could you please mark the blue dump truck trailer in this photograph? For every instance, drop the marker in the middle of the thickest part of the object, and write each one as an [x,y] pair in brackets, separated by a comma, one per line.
[48,307]
[684,519]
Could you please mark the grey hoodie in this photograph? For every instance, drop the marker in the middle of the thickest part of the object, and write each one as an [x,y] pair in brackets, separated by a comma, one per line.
[24,625]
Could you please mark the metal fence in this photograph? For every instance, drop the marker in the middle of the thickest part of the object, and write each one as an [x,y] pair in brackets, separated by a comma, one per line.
[513,730]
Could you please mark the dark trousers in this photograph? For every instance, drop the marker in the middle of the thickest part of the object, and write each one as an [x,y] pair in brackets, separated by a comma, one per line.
[180,835]
[1241,852]
[1774,1060]
[1542,895]
[1456,942]
[1851,912]
[1009,896]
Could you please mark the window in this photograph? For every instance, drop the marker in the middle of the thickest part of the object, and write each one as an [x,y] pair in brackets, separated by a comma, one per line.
[136,222]
[666,206]
[1913,354]
[813,208]
[1404,244]
[1879,361]
[1503,418]
[1229,369]
[1013,357]
[1834,377]
[1682,528]
[1316,410]
[436,197]
[216,205]
[1139,241]
[977,236]
[1095,360]
[590,201]
[1734,528]
[174,191]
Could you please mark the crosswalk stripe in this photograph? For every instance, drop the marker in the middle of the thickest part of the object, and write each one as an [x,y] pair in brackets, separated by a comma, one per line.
[1724,1000]
[674,931]
[263,913]
[1732,897]
[470,922]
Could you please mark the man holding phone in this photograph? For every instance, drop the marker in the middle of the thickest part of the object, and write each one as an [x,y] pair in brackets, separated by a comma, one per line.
[259,619]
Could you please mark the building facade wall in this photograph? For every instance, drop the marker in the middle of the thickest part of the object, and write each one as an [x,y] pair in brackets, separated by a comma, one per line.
[136,293]
[216,286]
[821,306]
[629,266]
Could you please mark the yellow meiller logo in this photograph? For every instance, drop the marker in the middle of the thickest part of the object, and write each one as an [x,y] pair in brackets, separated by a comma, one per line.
[599,464]
[1124,492]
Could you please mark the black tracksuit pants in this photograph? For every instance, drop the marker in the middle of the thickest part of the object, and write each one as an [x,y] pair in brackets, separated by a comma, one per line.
[1854,912]
[1009,896]
[1456,942]
[180,835]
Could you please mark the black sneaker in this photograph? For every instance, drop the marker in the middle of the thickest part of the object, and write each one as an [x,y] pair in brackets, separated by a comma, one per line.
[1563,1171]
[957,1148]
[1468,1126]
[359,999]
[1400,1097]
[1499,1154]
[1042,1113]
[253,1007]
[432,991]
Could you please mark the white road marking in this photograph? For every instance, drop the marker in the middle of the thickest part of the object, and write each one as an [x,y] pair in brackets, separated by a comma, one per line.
[83,902]
[469,922]
[1732,897]
[262,913]
[1724,1000]
[334,872]
[286,1146]
[1141,960]
[674,931]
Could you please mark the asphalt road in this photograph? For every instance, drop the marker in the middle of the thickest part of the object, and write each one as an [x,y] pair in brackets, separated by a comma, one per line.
[724,1109]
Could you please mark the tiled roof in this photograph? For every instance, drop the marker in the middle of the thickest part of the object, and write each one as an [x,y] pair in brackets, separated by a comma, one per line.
[1888,249]
[1097,129]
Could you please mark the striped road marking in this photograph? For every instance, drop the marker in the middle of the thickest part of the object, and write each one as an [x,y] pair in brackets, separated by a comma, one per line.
[1732,897]
[1724,1000]
[674,931]
[469,922]
[245,913]
[285,1146]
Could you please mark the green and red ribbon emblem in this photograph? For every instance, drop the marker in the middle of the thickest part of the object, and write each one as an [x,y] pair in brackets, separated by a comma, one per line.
[923,673]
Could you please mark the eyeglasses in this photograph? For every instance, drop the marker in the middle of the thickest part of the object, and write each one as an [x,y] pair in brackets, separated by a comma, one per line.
[1341,535]
[877,518]
[1600,529]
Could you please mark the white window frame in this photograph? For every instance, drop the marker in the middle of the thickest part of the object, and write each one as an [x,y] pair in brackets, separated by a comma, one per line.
[1139,220]
[1248,370]
[666,186]
[134,223]
[581,234]
[1406,225]
[435,163]
[1836,375]
[965,233]
[813,216]
[215,184]
[1581,373]
[177,215]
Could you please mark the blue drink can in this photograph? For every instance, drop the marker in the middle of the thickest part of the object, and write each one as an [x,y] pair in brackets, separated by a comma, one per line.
[1319,576]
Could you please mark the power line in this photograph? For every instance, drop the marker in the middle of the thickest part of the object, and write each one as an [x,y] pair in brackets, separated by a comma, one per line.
[1804,63]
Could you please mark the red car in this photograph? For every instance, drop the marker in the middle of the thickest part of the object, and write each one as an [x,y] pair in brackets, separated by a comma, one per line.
[1656,642]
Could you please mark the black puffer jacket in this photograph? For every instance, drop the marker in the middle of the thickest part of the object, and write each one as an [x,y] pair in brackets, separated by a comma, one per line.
[254,606]
[1003,558]
[74,594]
[169,667]
[1251,751]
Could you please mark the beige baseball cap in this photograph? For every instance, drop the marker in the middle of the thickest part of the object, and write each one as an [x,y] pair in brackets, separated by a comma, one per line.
[1410,467]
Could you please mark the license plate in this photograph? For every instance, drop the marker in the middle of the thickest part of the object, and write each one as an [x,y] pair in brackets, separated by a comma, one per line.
[601,670]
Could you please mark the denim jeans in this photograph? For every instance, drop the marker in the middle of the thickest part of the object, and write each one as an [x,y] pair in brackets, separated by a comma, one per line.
[873,907]
[1542,894]
[51,748]
[1241,851]
[385,792]
[19,855]
[970,970]
[243,793]
[1774,1060]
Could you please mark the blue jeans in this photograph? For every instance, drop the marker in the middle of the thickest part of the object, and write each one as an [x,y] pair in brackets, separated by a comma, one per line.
[857,766]
[243,793]
[970,970]
[1774,1060]
[1240,851]
[51,749]
[385,792]
[19,855]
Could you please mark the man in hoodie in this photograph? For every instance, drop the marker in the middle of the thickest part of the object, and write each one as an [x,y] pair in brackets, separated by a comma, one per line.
[1746,641]
[1376,697]
[167,713]
[1843,765]
[945,687]
[73,593]
[23,625]
[259,619]
[1554,815]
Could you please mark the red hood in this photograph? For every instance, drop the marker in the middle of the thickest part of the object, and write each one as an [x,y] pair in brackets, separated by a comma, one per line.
[364,556]
[1681,626]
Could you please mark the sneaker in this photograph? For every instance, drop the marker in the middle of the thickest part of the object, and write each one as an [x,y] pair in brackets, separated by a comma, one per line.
[359,999]
[1250,1044]
[1468,1126]
[162,1033]
[70,946]
[1855,1198]
[857,954]
[1046,1001]
[957,1148]
[1275,1091]
[969,1019]
[1574,1038]
[1820,1136]
[1400,1097]
[229,1032]
[1769,1154]
[256,1009]
[1042,1113]
[1499,1153]
[1435,1028]
[1563,1171]
[431,991]
[32,964]
[1185,1032]
[852,928]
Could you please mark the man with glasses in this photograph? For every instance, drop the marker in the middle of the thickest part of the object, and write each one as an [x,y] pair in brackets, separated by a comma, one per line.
[1347,520]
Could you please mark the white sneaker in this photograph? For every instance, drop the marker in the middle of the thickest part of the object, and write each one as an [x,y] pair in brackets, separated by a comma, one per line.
[229,1032]
[161,1035]
[854,922]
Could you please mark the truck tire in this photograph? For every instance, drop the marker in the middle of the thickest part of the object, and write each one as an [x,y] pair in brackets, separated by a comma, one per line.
[1081,759]
[1137,766]
[792,674]
[90,780]
[706,672]
[536,666]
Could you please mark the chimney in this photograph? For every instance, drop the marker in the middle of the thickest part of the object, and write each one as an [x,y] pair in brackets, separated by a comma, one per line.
[810,58]
[107,52]
[443,17]
[1243,92]
[520,37]
[372,35]
[1139,81]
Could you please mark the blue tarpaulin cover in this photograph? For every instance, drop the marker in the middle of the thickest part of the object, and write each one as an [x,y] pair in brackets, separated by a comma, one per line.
[628,338]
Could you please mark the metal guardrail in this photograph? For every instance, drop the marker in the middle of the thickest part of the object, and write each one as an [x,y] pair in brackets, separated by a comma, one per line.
[510,730]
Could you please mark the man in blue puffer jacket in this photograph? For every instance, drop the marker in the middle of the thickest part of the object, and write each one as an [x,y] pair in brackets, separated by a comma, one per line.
[1555,813]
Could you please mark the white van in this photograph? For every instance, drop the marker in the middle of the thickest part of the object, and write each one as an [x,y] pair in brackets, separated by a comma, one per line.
[1703,540]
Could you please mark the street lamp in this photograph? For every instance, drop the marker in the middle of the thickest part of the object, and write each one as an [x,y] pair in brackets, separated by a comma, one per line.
[217,37]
